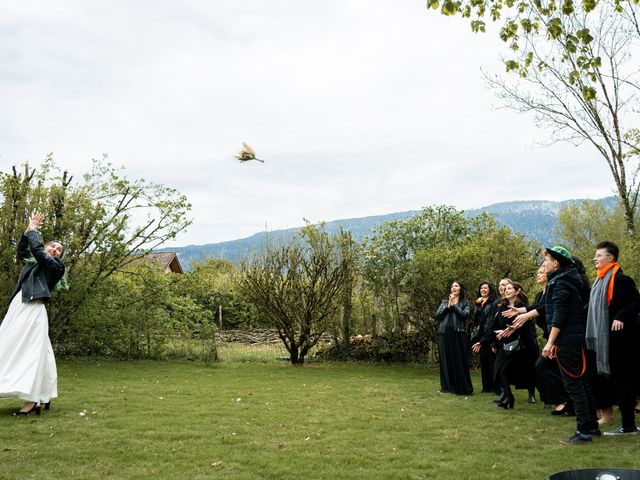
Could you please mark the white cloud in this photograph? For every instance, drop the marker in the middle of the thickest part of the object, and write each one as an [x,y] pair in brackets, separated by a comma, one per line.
[359,107]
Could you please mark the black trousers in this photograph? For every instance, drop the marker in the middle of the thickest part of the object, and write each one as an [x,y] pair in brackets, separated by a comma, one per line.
[623,379]
[573,368]
[549,382]
[621,386]
[487,362]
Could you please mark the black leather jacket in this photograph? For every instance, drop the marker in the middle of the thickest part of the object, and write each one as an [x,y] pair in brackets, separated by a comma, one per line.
[563,306]
[37,279]
[483,318]
[452,317]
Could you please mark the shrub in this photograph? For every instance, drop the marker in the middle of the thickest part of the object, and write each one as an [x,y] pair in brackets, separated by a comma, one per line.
[396,346]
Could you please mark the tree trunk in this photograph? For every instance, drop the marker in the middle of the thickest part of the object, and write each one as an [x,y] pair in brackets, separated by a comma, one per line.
[293,353]
[366,318]
[346,321]
[629,214]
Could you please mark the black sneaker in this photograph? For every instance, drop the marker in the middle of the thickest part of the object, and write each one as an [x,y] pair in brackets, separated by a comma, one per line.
[577,439]
[622,431]
[596,432]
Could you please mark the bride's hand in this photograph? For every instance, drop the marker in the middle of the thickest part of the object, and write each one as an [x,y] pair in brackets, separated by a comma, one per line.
[35,221]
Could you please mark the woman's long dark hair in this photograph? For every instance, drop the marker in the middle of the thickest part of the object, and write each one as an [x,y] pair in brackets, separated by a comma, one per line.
[463,296]
[493,293]
[581,270]
[586,284]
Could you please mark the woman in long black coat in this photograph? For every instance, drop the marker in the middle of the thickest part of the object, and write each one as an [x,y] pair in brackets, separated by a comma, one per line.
[453,342]
[486,304]
[515,367]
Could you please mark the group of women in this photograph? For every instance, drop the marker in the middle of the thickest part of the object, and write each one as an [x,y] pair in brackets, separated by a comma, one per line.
[505,338]
[503,361]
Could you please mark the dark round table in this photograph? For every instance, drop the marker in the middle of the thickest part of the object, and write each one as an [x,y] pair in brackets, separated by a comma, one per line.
[604,473]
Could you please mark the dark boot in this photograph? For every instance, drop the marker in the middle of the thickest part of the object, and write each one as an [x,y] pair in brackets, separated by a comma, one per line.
[509,399]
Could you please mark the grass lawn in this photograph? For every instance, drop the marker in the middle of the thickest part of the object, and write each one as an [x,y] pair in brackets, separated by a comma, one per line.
[253,417]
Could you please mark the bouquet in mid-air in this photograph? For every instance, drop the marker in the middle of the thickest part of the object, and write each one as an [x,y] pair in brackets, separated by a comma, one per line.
[247,154]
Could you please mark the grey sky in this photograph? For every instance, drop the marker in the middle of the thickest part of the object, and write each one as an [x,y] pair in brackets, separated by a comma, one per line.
[360,107]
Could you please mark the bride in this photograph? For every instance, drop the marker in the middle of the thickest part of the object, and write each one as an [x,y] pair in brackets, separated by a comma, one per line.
[27,364]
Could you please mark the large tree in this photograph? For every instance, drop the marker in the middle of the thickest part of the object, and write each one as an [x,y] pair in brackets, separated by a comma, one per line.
[297,288]
[101,219]
[387,254]
[488,255]
[581,226]
[570,64]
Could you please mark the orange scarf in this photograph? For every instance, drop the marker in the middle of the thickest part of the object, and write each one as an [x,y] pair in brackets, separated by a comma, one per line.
[601,272]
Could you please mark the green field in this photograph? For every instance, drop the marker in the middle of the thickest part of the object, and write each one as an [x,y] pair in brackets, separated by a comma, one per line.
[253,417]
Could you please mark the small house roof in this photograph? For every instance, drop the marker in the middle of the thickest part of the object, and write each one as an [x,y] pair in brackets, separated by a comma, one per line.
[168,261]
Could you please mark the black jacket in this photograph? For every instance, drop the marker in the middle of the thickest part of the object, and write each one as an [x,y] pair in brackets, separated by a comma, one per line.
[541,319]
[624,350]
[625,301]
[37,279]
[564,308]
[526,333]
[452,317]
[483,318]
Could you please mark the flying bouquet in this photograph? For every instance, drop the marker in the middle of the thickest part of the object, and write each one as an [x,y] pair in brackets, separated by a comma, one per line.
[247,154]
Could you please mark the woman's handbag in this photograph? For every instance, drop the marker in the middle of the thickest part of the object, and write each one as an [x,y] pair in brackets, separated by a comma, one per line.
[511,347]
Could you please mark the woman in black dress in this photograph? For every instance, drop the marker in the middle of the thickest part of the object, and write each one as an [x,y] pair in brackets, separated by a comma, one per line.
[486,304]
[453,342]
[516,354]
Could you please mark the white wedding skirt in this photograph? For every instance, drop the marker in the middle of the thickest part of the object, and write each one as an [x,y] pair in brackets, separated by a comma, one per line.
[27,364]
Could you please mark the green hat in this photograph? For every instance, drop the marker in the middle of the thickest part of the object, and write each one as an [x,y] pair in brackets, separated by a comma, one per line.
[560,254]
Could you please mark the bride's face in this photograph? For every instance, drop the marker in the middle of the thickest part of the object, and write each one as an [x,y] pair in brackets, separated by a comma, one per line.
[54,249]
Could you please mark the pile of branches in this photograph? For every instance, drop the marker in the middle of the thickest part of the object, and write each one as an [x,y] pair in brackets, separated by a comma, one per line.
[249,337]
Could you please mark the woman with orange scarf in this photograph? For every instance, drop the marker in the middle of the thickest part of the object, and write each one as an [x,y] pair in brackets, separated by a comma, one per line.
[611,334]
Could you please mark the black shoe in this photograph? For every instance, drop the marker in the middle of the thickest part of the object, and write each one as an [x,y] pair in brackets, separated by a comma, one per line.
[47,406]
[596,432]
[508,402]
[501,398]
[622,431]
[35,408]
[577,439]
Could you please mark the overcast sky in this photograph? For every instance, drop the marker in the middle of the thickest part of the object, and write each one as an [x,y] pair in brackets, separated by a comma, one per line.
[359,107]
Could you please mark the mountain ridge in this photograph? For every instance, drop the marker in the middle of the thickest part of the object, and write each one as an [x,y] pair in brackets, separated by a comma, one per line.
[535,219]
